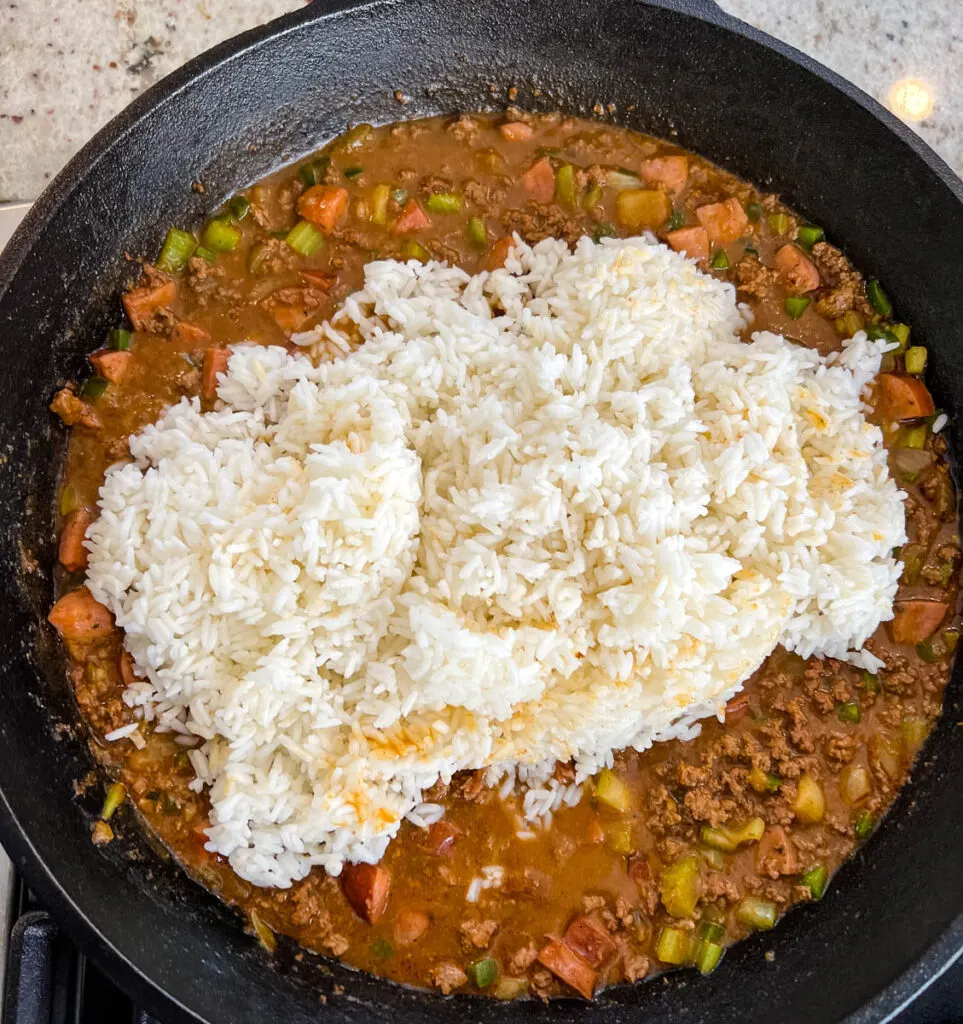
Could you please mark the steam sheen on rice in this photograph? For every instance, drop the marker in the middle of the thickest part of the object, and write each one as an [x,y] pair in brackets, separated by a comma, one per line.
[542,513]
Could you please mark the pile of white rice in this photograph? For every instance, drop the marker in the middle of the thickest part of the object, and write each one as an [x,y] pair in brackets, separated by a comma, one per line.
[542,513]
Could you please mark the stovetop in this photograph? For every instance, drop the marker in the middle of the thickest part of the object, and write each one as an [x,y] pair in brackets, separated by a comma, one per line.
[47,980]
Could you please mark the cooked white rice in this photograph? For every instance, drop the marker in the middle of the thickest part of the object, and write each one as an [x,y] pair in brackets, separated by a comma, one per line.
[543,513]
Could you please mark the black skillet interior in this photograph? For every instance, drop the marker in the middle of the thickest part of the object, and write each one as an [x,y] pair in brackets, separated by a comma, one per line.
[893,917]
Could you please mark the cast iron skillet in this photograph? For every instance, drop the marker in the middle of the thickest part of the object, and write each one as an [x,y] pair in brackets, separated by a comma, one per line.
[893,919]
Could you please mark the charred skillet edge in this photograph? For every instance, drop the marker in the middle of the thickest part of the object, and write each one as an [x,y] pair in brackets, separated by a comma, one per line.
[887,1002]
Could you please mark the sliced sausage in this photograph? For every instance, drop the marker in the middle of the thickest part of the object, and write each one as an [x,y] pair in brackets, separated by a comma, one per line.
[568,967]
[916,621]
[366,888]
[590,940]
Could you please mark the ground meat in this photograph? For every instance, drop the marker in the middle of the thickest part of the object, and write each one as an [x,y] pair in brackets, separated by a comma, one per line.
[753,279]
[465,129]
[635,966]
[73,410]
[477,934]
[663,810]
[208,284]
[471,786]
[447,977]
[98,692]
[523,958]
[842,288]
[288,193]
[101,834]
[624,911]
[590,903]
[840,747]
[934,570]
[537,222]
[432,184]
[276,255]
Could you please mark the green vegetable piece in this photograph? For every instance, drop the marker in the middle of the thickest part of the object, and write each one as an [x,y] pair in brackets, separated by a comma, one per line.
[477,231]
[754,211]
[176,250]
[750,250]
[810,803]
[808,235]
[913,437]
[400,195]
[928,652]
[715,859]
[913,731]
[305,238]
[205,254]
[878,298]
[618,837]
[381,948]
[815,879]
[795,306]
[951,637]
[622,180]
[673,946]
[870,681]
[511,988]
[94,387]
[592,198]
[264,934]
[355,136]
[676,221]
[707,956]
[413,250]
[239,207]
[483,973]
[764,782]
[565,186]
[902,332]
[220,235]
[779,223]
[720,260]
[119,339]
[864,824]
[848,712]
[116,792]
[711,931]
[379,204]
[611,791]
[915,359]
[69,500]
[756,913]
[680,887]
[352,172]
[444,202]
[313,173]
[603,230]
[849,323]
[876,332]
[728,837]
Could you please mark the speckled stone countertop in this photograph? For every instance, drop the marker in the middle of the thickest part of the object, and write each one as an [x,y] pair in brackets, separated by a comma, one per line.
[67,68]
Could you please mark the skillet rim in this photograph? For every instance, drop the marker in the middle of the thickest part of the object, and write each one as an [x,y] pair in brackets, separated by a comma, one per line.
[891,1000]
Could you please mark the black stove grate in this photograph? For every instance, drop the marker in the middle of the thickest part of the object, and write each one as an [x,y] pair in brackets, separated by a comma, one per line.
[49,981]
